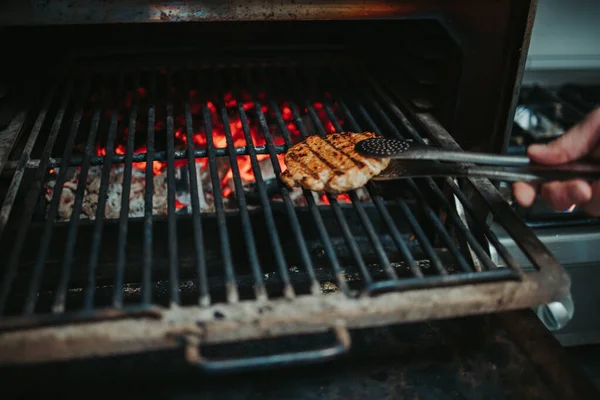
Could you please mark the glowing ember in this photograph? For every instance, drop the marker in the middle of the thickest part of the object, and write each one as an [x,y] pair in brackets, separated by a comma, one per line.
[181,169]
[179,205]
[218,132]
[342,198]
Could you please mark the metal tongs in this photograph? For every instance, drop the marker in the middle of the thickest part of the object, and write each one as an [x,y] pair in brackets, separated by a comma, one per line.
[414,160]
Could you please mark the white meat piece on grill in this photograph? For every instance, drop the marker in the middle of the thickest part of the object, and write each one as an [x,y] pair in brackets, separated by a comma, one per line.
[330,163]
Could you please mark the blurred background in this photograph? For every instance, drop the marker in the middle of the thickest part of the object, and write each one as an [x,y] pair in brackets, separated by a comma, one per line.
[561,84]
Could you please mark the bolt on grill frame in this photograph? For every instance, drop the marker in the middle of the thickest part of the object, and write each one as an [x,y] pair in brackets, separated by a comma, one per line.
[479,286]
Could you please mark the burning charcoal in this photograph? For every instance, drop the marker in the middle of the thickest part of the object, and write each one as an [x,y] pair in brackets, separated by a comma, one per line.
[71,185]
[297,197]
[93,184]
[136,189]
[206,192]
[159,205]
[90,205]
[266,169]
[113,206]
[136,207]
[116,176]
[65,205]
[159,199]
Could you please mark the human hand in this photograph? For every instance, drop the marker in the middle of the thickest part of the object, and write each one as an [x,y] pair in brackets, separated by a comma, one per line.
[580,141]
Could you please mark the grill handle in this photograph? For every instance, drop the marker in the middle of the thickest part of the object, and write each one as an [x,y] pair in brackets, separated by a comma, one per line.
[342,345]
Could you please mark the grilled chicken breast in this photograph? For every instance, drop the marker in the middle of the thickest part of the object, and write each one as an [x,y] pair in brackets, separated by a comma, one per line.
[330,163]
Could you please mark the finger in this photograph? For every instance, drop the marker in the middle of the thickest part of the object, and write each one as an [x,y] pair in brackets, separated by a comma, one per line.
[524,193]
[562,195]
[593,206]
[574,144]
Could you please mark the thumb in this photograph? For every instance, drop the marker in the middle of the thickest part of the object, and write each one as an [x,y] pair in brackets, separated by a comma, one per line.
[574,144]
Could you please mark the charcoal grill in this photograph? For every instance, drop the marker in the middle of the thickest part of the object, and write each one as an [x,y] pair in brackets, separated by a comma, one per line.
[234,259]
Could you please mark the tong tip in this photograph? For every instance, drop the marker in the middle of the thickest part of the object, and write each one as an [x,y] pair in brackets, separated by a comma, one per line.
[382,147]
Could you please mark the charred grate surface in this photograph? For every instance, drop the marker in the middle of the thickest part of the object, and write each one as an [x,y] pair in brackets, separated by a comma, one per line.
[149,187]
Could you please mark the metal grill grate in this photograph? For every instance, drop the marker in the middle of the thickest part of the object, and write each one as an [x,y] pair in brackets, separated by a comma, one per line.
[243,241]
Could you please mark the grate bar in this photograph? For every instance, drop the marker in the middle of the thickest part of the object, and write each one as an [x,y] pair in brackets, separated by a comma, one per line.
[316,214]
[61,289]
[18,177]
[429,212]
[531,245]
[502,251]
[38,270]
[457,222]
[479,251]
[231,287]
[364,219]
[420,234]
[440,281]
[31,200]
[141,157]
[10,135]
[462,228]
[288,289]
[148,196]
[439,226]
[341,219]
[124,213]
[172,224]
[88,302]
[204,295]
[490,235]
[284,191]
[381,208]
[51,217]
[259,286]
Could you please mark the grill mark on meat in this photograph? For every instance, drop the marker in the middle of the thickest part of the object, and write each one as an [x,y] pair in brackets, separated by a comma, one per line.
[345,147]
[295,158]
[311,161]
[330,163]
[346,143]
[344,167]
[303,175]
[322,155]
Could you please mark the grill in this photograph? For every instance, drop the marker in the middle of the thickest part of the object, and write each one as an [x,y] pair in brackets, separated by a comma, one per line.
[142,210]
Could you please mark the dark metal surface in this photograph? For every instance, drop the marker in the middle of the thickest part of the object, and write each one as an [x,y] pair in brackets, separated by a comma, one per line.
[9,135]
[491,357]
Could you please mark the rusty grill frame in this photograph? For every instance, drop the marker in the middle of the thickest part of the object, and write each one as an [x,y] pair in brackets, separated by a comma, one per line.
[119,329]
